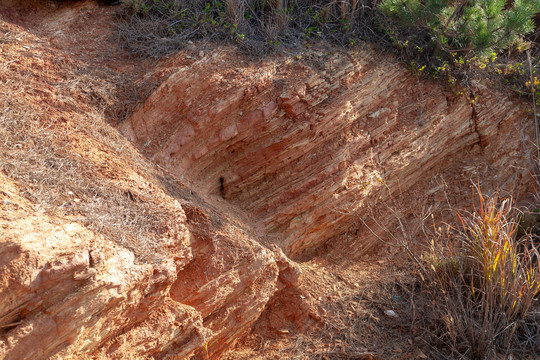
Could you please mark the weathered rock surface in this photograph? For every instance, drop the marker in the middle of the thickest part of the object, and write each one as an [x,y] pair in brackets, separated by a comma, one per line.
[305,148]
[69,293]
[102,254]
[105,256]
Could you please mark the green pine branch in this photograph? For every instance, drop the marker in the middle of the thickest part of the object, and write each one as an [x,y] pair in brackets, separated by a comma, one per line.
[481,26]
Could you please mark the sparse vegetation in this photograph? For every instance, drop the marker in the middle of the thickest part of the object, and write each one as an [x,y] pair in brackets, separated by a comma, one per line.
[41,152]
[159,27]
[455,42]
[433,27]
[484,283]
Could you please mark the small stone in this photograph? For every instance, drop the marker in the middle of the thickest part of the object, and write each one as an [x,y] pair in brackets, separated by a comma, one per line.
[419,354]
[390,313]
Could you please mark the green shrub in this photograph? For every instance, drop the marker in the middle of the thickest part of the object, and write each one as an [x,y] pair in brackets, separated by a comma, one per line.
[480,26]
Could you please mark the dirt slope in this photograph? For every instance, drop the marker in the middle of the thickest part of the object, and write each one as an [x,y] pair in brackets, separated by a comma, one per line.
[163,247]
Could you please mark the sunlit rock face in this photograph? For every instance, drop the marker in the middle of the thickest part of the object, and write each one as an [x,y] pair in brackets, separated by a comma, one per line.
[304,148]
[68,293]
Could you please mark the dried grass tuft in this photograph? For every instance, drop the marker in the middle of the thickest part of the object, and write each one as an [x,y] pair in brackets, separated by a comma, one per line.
[484,283]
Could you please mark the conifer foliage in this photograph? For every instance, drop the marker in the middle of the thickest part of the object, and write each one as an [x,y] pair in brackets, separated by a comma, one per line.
[481,26]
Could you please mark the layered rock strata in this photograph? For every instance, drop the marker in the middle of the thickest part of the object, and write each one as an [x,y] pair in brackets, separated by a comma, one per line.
[102,254]
[304,147]
[70,293]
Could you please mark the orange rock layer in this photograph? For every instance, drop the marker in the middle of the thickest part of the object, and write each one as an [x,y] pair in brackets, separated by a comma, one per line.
[102,254]
[305,148]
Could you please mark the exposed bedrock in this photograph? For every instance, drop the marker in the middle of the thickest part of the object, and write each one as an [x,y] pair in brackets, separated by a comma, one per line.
[68,293]
[285,152]
[122,261]
[301,147]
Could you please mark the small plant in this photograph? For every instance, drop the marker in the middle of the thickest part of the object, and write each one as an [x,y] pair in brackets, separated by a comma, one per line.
[484,280]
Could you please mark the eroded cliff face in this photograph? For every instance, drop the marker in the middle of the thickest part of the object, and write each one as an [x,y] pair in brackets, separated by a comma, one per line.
[102,254]
[306,148]
[69,293]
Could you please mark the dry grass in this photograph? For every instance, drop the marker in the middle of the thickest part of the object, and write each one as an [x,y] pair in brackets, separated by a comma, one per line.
[484,283]
[57,146]
[112,95]
[353,324]
[157,28]
[477,288]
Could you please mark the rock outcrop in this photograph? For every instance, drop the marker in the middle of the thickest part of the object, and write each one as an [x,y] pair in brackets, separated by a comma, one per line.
[307,147]
[69,293]
[102,254]
[105,255]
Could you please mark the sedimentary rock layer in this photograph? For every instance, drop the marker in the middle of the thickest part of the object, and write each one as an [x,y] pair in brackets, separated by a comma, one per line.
[102,254]
[304,147]
[69,293]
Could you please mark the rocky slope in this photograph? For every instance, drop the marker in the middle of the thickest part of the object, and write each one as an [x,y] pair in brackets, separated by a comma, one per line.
[309,148]
[68,292]
[104,254]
